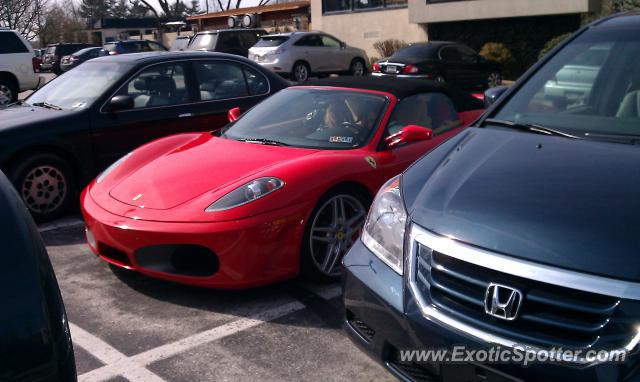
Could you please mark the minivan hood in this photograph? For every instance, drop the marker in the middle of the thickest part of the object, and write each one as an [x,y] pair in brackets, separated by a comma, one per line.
[568,203]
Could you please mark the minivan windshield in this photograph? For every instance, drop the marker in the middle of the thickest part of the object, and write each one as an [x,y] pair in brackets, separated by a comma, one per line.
[80,89]
[589,89]
[312,118]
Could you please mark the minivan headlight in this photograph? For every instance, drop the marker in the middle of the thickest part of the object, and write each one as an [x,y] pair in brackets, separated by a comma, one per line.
[247,193]
[383,231]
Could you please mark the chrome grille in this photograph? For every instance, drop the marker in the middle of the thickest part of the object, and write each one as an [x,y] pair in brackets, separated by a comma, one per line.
[550,315]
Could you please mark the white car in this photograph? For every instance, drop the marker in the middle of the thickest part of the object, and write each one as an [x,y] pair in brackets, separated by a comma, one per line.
[300,54]
[17,71]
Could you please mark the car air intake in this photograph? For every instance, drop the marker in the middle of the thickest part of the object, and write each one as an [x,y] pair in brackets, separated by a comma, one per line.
[549,316]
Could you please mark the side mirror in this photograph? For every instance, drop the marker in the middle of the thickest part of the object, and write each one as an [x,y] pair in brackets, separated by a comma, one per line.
[234,114]
[409,133]
[491,95]
[121,102]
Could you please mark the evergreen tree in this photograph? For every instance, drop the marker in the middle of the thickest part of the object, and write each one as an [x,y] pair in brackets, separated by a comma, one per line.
[138,10]
[194,9]
[119,9]
[93,10]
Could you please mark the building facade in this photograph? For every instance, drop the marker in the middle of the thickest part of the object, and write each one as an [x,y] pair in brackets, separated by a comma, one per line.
[524,26]
[282,17]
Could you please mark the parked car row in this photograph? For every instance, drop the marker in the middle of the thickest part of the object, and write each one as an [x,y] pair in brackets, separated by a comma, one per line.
[518,233]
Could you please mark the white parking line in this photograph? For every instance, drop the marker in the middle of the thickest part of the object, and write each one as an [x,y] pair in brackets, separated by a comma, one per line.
[109,355]
[129,367]
[62,223]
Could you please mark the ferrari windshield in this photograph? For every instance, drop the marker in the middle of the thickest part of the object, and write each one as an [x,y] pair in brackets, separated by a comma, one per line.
[80,88]
[589,89]
[311,117]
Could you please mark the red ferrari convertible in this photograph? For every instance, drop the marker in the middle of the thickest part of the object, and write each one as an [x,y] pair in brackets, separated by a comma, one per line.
[282,189]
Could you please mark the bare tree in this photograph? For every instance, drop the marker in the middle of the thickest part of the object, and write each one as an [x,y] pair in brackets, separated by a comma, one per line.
[24,16]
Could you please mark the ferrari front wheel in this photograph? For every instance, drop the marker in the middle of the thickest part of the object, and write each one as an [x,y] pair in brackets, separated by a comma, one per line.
[335,224]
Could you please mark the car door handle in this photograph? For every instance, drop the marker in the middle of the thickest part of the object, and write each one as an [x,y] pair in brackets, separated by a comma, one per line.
[185,115]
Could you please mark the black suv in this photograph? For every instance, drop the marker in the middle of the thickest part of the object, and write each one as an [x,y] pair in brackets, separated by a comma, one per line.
[232,41]
[55,52]
[133,46]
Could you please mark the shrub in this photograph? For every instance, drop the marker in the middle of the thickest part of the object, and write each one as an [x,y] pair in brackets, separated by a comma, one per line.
[386,48]
[552,44]
[496,51]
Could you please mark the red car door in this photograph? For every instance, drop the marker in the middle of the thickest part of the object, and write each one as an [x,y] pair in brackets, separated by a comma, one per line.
[432,110]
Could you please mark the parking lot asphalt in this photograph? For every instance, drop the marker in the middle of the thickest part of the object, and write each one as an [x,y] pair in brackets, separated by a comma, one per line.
[127,327]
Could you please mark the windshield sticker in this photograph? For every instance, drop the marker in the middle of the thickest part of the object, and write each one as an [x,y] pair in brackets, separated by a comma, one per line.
[341,139]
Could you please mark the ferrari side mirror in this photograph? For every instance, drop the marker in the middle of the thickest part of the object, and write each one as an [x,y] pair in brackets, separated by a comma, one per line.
[409,133]
[234,114]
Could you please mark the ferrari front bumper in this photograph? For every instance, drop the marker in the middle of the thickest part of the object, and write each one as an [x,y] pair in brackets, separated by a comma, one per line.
[236,254]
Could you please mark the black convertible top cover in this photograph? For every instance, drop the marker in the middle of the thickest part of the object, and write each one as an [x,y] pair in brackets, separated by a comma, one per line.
[402,88]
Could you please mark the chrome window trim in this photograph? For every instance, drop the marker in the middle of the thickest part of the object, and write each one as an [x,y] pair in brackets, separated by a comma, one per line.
[184,61]
[543,273]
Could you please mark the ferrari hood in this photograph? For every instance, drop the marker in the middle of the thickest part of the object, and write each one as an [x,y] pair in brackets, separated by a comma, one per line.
[205,164]
[568,203]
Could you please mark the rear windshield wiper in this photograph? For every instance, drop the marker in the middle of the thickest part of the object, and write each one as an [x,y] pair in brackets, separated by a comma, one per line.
[47,105]
[263,141]
[631,138]
[528,127]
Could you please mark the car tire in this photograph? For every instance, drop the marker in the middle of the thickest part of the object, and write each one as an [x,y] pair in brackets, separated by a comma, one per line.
[328,237]
[358,68]
[300,72]
[494,79]
[46,184]
[8,90]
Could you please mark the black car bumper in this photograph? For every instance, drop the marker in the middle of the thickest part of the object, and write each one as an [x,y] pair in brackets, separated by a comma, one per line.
[382,320]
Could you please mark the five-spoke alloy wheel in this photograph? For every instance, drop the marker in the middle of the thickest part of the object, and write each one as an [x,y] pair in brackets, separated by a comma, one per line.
[334,226]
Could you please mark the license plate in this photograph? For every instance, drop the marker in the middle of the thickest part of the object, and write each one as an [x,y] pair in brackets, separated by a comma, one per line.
[391,69]
[259,58]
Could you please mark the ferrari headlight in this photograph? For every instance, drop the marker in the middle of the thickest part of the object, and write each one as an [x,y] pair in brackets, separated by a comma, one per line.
[384,230]
[112,167]
[246,193]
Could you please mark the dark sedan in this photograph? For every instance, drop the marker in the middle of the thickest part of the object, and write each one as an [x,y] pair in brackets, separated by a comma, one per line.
[71,61]
[75,126]
[35,343]
[442,61]
[517,238]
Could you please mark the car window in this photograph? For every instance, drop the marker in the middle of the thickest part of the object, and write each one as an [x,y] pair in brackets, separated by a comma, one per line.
[315,118]
[80,89]
[155,46]
[590,88]
[330,42]
[248,39]
[417,50]
[220,80]
[450,53]
[433,110]
[10,43]
[467,54]
[310,40]
[228,42]
[256,82]
[271,41]
[159,85]
[206,41]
